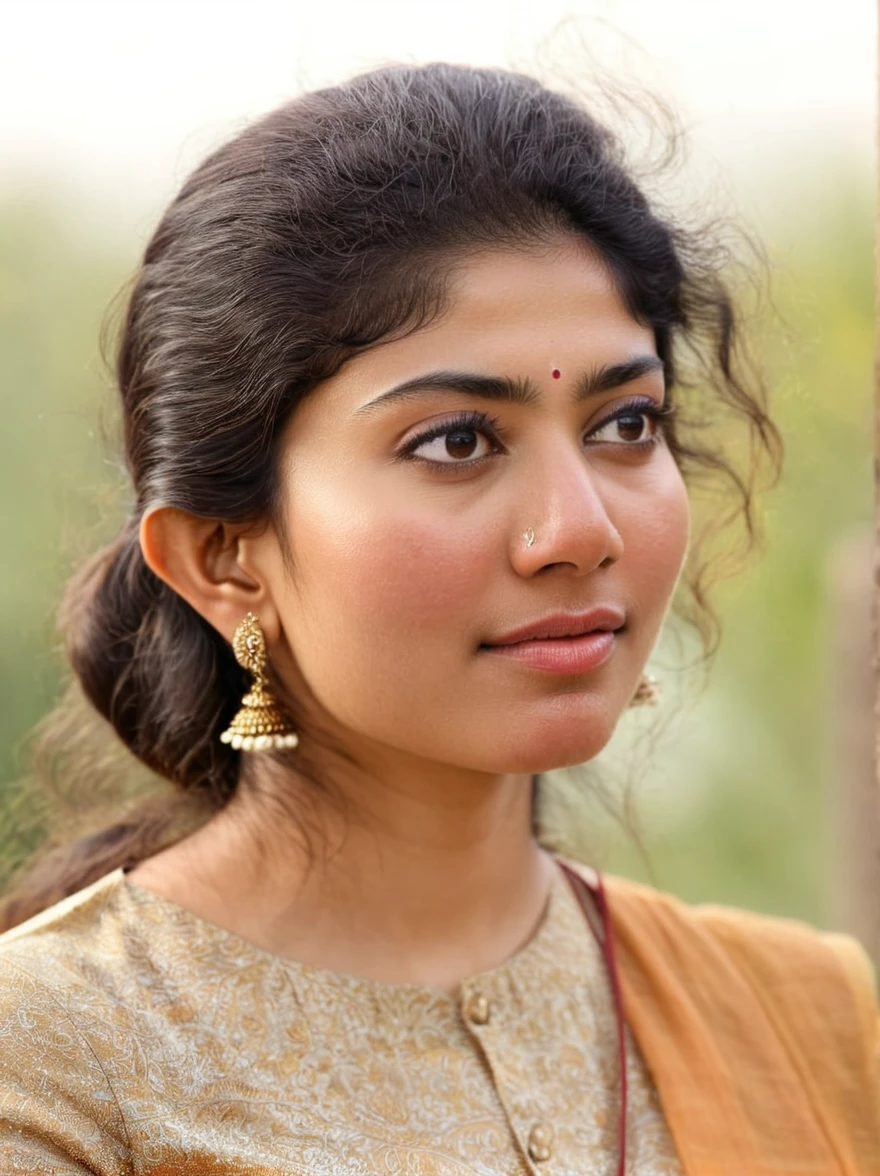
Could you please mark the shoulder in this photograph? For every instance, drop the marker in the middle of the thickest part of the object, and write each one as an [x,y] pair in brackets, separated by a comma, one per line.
[59,949]
[775,950]
[58,1109]
[818,988]
[746,980]
[102,959]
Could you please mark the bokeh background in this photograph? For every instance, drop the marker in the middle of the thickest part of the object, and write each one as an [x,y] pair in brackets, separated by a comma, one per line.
[758,790]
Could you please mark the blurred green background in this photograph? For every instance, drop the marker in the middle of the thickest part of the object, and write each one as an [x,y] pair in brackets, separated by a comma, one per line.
[735,805]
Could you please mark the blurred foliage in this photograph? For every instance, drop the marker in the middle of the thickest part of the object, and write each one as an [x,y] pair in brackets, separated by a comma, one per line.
[733,799]
[60,478]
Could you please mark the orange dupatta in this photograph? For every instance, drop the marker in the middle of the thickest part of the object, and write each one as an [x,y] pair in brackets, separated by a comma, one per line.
[761,1034]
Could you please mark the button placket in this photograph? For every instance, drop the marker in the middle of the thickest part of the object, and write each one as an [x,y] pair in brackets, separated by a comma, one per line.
[540,1143]
[477,1009]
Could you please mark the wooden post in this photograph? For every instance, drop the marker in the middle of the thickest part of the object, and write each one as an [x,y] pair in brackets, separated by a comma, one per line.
[853,793]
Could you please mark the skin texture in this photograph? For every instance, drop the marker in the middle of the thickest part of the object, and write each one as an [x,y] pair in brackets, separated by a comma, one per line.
[399,572]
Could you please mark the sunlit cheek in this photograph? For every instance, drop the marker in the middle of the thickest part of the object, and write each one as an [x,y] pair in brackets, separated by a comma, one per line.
[390,572]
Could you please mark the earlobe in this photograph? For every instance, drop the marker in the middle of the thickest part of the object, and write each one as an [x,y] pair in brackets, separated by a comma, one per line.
[201,560]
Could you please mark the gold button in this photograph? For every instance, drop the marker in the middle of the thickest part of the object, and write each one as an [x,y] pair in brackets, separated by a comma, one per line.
[477,1009]
[540,1137]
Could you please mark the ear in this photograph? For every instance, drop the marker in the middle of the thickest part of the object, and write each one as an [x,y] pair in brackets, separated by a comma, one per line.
[218,568]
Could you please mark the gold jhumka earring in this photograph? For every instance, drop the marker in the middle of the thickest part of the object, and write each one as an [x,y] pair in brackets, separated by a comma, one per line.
[260,724]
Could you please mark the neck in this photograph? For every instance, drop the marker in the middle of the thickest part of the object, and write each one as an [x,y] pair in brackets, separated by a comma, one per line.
[424,878]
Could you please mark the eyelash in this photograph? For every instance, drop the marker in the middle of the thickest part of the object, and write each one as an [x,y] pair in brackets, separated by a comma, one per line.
[481,422]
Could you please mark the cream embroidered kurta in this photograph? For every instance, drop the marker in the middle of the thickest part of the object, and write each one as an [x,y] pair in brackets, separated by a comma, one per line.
[136,1037]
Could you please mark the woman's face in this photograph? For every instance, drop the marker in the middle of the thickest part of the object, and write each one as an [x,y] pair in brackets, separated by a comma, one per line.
[406,516]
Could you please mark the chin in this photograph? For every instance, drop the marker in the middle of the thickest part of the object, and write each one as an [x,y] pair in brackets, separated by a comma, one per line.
[539,763]
[553,745]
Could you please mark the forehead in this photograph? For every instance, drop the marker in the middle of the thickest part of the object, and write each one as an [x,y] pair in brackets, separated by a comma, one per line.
[518,312]
[521,279]
[504,304]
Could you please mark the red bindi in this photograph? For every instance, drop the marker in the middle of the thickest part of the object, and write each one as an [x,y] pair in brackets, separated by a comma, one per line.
[556,373]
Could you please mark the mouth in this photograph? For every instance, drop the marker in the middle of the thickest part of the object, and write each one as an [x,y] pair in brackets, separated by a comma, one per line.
[575,654]
[601,618]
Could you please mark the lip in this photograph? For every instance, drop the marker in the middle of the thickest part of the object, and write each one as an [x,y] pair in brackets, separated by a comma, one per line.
[562,625]
[560,655]
[567,643]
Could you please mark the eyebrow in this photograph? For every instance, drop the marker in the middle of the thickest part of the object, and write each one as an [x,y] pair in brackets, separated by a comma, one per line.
[515,390]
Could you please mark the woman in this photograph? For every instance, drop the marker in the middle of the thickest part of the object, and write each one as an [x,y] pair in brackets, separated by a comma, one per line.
[412,378]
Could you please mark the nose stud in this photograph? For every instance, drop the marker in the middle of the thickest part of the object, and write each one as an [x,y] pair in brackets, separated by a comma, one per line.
[529,537]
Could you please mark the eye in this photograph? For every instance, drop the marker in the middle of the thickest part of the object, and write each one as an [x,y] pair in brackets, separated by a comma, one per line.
[465,440]
[632,425]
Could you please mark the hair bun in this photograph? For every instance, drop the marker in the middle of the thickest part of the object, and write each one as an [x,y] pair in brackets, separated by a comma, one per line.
[154,668]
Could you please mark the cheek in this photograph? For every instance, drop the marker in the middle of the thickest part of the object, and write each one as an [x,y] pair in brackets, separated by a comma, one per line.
[655,526]
[383,620]
[380,584]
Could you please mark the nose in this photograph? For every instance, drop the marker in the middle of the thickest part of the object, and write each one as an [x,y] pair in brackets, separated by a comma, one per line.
[567,509]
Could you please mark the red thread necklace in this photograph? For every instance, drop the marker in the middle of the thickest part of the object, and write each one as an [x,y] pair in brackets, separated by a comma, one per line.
[605,941]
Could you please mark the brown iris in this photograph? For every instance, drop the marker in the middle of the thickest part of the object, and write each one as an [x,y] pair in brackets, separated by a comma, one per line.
[461,442]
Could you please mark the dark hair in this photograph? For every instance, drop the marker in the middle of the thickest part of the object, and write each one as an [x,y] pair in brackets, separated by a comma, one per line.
[321,228]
